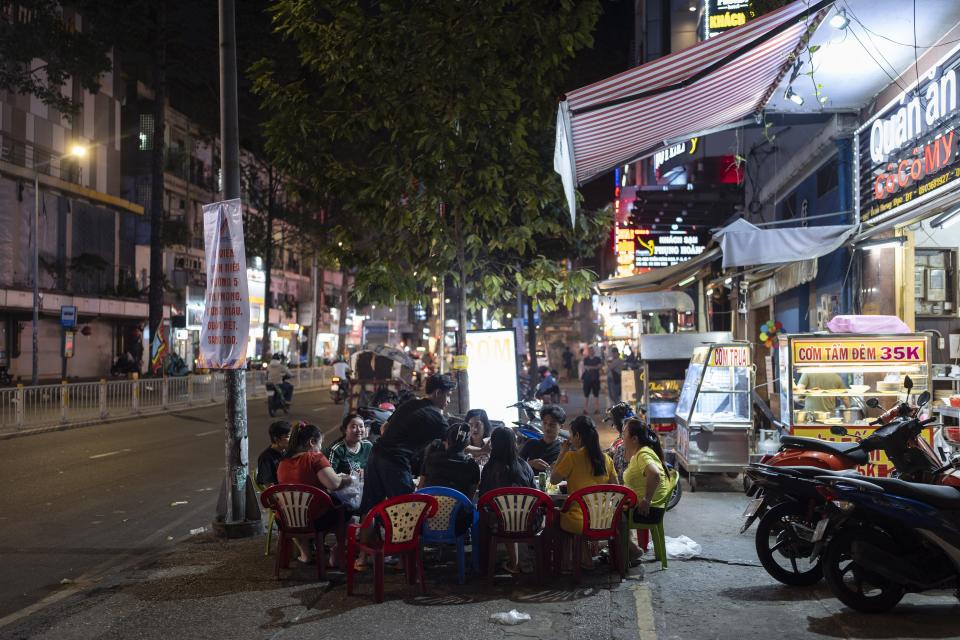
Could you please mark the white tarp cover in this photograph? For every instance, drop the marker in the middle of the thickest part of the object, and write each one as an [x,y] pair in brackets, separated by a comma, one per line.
[651,301]
[749,247]
[225,330]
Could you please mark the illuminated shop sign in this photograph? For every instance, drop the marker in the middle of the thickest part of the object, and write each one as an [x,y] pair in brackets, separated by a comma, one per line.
[642,249]
[911,148]
[681,151]
[721,15]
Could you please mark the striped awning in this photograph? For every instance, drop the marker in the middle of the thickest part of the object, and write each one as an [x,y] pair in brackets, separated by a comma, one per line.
[714,83]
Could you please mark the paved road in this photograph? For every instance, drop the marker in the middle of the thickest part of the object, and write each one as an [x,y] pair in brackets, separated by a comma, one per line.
[82,502]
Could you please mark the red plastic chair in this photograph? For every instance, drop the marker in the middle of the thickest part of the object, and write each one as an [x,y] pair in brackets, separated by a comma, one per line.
[517,514]
[400,521]
[602,506]
[298,507]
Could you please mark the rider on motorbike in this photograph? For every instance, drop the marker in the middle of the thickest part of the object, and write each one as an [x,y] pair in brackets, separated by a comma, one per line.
[277,374]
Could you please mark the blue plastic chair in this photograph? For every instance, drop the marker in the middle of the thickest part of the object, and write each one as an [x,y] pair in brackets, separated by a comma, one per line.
[442,527]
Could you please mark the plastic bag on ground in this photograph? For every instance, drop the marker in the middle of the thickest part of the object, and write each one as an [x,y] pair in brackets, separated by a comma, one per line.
[681,548]
[351,495]
[510,617]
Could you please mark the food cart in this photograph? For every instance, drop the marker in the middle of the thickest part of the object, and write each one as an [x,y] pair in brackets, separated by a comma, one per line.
[826,379]
[378,371]
[665,358]
[714,413]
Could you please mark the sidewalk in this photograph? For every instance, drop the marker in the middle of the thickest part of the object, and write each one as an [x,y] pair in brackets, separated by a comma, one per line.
[211,588]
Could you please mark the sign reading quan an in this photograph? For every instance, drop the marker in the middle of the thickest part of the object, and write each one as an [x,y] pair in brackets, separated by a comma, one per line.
[910,149]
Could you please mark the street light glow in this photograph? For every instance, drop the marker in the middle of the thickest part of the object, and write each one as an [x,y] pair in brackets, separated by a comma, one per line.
[78,151]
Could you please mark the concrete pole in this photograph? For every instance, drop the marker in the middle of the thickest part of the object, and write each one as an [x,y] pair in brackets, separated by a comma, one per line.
[238,514]
[312,357]
[36,271]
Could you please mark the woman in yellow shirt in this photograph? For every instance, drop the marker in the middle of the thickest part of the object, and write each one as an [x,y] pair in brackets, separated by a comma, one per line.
[582,463]
[645,473]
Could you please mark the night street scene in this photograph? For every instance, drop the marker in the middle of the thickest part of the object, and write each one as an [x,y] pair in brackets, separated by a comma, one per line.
[509,319]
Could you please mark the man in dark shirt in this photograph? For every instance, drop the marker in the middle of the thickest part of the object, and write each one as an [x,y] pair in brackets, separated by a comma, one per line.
[413,426]
[541,454]
[270,459]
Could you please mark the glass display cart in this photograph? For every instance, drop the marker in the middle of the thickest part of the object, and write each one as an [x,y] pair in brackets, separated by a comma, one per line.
[826,380]
[714,414]
[665,358]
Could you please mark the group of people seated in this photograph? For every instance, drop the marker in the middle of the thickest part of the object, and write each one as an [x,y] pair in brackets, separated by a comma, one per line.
[471,457]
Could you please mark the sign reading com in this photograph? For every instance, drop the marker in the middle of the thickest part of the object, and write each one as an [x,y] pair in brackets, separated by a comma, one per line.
[730,357]
[863,351]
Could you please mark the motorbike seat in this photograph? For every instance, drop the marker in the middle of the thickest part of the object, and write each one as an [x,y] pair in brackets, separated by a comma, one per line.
[846,449]
[947,498]
[812,472]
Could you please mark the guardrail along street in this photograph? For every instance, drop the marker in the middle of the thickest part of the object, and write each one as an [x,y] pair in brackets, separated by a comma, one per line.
[84,402]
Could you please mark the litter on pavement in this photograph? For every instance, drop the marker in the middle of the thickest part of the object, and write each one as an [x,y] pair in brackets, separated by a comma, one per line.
[681,548]
[510,617]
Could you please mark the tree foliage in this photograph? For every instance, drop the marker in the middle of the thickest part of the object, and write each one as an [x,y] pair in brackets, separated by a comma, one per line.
[39,52]
[426,129]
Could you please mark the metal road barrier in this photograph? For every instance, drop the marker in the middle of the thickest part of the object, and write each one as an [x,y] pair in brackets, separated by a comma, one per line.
[85,402]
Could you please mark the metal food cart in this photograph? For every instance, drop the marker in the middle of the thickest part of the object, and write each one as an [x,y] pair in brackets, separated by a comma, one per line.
[714,413]
[665,358]
[825,380]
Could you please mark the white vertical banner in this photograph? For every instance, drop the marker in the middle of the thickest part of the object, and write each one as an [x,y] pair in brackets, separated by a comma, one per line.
[226,316]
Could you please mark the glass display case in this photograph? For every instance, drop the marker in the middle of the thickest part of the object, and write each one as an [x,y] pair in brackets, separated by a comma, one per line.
[826,380]
[714,412]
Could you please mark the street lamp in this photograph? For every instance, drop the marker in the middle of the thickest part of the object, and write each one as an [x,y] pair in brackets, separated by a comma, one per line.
[76,151]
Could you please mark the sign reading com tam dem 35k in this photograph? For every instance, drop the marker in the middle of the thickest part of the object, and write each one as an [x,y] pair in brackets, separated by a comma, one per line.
[226,315]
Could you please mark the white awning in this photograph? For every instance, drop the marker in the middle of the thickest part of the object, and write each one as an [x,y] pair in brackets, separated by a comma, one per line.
[660,279]
[744,247]
[642,302]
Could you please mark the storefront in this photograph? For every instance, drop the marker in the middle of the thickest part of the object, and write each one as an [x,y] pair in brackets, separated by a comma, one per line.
[908,201]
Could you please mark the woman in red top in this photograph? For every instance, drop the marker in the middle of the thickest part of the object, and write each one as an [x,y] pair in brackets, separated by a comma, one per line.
[305,464]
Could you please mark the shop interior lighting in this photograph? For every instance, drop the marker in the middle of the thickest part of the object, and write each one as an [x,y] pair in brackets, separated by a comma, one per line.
[839,20]
[693,6]
[686,281]
[793,96]
[728,281]
[860,368]
[883,243]
[945,220]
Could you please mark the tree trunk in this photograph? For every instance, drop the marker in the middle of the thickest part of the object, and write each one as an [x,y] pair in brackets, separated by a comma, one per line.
[342,320]
[532,345]
[463,391]
[268,269]
[155,298]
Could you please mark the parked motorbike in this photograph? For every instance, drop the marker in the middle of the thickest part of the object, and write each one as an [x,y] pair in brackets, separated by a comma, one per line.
[889,537]
[374,418]
[788,504]
[124,366]
[276,402]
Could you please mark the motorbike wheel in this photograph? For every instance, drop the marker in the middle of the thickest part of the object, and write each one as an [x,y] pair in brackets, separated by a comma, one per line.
[676,495]
[784,555]
[855,585]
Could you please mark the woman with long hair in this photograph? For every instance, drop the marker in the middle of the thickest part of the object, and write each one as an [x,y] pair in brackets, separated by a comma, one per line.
[582,463]
[480,429]
[645,472]
[506,469]
[305,464]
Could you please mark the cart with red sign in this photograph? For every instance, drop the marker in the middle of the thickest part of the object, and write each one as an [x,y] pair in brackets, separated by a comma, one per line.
[715,412]
[826,380]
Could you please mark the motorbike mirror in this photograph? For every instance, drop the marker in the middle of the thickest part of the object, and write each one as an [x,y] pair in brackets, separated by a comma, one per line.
[907,383]
[839,430]
[923,398]
[873,403]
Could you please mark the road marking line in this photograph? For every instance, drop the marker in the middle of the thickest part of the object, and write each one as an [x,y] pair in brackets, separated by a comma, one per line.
[646,625]
[110,453]
[209,433]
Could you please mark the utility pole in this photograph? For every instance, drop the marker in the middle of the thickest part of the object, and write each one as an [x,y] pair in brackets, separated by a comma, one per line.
[238,514]
[312,356]
[36,269]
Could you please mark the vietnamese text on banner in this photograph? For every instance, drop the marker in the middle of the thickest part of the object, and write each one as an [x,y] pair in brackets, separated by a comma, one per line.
[226,315]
